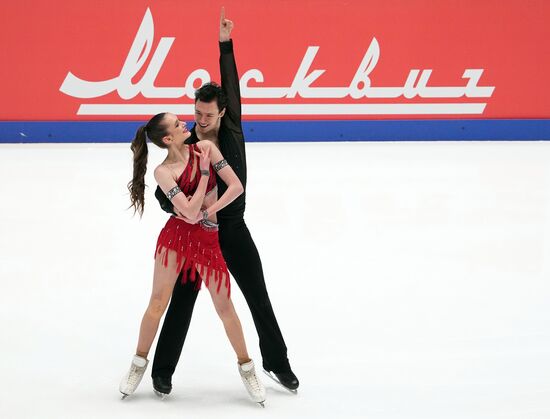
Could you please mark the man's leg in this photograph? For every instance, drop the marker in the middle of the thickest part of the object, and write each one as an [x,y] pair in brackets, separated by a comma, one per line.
[174,329]
[245,265]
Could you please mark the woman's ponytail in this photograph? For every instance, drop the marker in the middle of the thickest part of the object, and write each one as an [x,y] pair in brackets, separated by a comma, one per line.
[137,185]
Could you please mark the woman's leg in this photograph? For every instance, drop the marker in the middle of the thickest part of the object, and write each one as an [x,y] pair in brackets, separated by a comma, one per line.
[226,311]
[164,278]
[228,315]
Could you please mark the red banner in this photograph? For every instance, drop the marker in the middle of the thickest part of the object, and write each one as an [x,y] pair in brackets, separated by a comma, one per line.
[357,59]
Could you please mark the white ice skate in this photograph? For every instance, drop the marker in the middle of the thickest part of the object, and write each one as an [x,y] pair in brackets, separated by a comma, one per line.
[252,383]
[133,377]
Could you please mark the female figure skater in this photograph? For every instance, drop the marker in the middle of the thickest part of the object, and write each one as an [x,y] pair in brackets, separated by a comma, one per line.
[189,181]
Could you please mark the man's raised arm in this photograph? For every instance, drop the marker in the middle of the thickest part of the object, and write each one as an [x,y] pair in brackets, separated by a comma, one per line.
[229,75]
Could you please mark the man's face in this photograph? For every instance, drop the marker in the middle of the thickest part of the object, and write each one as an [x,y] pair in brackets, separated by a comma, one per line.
[207,116]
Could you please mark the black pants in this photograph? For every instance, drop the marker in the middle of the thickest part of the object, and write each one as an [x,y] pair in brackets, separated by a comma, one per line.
[244,263]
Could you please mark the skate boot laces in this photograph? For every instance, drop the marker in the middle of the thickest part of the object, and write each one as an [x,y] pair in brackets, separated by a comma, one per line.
[136,373]
[252,382]
[132,379]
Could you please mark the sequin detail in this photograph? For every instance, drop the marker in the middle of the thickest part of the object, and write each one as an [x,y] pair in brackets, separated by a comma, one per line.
[220,165]
[173,192]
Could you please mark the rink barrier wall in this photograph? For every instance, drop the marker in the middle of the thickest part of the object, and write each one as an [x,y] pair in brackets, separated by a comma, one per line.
[293,131]
[404,70]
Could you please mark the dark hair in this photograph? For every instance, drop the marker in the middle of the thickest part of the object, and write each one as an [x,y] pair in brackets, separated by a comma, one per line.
[153,131]
[209,92]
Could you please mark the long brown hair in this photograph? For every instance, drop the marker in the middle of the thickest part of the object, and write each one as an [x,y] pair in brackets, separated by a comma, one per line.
[154,131]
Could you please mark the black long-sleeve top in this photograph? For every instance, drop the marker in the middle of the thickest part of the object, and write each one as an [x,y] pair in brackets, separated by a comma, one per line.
[230,137]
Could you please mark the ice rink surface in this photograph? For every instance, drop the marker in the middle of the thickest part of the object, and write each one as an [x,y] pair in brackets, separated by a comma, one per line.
[410,280]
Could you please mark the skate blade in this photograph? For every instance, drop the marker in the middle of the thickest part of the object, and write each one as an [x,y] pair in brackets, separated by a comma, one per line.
[262,404]
[124,395]
[274,378]
[161,395]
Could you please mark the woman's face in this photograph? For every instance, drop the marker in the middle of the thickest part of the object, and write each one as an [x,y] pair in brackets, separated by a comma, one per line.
[176,129]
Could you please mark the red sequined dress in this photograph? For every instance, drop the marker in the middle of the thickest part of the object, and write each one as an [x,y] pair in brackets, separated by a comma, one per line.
[194,243]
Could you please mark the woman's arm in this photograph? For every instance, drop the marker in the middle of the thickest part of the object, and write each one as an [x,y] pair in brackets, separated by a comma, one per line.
[189,208]
[234,185]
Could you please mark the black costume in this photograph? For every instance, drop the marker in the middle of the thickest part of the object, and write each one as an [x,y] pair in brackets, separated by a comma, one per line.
[237,247]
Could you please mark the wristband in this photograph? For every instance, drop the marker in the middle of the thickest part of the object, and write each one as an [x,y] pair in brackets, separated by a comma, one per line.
[205,172]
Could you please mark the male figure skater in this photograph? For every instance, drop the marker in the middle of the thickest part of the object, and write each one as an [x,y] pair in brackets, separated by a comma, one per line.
[218,118]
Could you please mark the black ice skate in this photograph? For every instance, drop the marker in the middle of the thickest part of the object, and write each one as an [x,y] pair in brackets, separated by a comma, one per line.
[287,380]
[162,386]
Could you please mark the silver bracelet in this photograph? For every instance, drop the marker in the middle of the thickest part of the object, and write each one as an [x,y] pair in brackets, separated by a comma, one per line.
[220,165]
[208,223]
[173,192]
